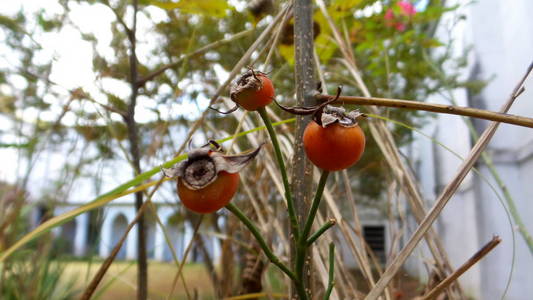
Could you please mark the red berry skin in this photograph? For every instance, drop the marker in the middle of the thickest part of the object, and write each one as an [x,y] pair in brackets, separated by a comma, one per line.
[335,147]
[212,197]
[251,99]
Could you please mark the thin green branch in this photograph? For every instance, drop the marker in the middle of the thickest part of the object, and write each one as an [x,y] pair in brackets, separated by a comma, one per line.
[331,274]
[302,246]
[283,170]
[314,205]
[258,236]
[320,231]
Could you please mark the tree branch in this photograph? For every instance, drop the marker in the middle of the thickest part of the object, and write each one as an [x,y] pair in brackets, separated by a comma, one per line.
[151,76]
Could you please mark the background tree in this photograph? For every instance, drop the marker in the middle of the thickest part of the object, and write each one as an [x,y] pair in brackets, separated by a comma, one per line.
[173,58]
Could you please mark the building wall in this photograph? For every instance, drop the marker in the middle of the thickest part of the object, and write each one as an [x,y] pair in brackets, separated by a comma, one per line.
[116,219]
[501,36]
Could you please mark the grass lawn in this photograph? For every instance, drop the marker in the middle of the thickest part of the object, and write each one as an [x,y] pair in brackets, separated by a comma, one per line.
[120,281]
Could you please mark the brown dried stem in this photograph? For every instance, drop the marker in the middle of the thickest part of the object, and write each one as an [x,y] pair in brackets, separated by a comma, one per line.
[444,197]
[89,291]
[462,269]
[432,107]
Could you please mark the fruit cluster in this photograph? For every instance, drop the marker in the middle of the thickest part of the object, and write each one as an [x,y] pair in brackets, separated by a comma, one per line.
[208,179]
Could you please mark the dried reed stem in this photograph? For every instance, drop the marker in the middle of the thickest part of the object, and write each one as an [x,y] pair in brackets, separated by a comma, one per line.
[438,108]
[445,196]
[467,265]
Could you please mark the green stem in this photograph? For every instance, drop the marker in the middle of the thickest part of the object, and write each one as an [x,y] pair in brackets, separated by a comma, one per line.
[281,164]
[314,206]
[331,276]
[302,246]
[255,232]
[320,231]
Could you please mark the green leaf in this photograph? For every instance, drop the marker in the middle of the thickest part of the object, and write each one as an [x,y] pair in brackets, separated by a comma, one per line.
[117,103]
[20,146]
[9,23]
[211,8]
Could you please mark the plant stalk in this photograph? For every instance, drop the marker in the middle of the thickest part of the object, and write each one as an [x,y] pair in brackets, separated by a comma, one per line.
[259,237]
[303,246]
[331,273]
[432,107]
[302,169]
[283,170]
[320,231]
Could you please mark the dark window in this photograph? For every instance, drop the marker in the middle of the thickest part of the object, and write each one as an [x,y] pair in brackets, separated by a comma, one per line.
[375,238]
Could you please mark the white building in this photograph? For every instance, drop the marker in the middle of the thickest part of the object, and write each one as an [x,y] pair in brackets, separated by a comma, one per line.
[501,36]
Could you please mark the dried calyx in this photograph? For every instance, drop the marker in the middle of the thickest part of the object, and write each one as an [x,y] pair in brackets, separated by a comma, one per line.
[247,81]
[325,114]
[203,165]
[332,114]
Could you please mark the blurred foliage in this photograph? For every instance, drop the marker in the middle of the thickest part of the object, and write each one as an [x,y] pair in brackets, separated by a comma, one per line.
[31,274]
[394,46]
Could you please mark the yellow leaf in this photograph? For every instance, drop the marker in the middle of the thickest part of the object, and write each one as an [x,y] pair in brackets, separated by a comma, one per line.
[212,8]
[287,51]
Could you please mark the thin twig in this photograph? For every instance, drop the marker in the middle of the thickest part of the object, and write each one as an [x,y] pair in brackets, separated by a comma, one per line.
[445,196]
[439,108]
[467,265]
[198,51]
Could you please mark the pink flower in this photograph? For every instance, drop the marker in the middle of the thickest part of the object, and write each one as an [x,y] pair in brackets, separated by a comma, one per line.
[389,15]
[400,26]
[407,8]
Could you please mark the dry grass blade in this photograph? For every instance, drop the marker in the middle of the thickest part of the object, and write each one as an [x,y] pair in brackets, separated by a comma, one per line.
[445,196]
[467,265]
[238,66]
[197,52]
[89,291]
[385,141]
[185,255]
[439,108]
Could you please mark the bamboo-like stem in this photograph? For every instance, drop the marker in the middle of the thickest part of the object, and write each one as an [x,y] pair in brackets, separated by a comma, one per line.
[258,236]
[302,169]
[283,170]
[331,274]
[463,268]
[438,108]
[320,231]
